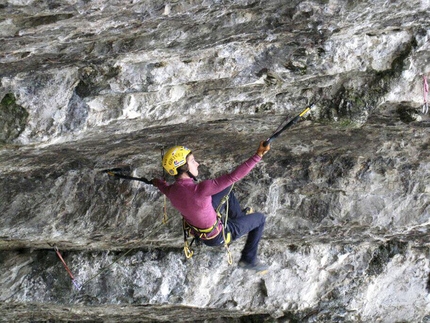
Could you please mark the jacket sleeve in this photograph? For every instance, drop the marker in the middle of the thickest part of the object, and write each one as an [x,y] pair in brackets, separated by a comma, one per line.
[161,185]
[213,186]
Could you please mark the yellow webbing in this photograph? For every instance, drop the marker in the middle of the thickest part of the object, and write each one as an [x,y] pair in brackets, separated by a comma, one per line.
[165,219]
[208,230]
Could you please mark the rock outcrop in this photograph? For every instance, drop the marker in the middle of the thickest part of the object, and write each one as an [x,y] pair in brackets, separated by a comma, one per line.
[92,85]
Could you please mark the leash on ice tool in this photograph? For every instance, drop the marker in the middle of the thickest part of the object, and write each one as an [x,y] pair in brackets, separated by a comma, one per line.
[116,172]
[291,123]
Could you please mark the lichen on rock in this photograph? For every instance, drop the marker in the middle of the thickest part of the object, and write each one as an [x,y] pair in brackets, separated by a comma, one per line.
[13,119]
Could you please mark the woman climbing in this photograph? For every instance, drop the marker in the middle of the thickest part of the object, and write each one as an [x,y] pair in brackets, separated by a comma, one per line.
[198,203]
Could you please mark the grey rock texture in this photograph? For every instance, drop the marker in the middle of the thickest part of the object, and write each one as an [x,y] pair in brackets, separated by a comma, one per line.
[91,85]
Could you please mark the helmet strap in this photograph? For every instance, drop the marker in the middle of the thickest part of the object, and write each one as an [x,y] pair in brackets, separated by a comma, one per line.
[191,175]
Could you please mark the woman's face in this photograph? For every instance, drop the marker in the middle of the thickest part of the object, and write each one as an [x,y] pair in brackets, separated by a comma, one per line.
[192,165]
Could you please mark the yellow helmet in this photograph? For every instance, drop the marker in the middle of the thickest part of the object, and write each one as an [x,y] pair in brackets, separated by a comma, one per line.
[174,158]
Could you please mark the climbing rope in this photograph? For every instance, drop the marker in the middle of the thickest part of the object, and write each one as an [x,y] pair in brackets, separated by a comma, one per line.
[425,95]
[227,237]
[165,217]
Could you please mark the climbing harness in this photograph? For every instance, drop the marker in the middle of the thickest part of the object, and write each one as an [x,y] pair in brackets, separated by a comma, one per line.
[288,125]
[75,283]
[425,94]
[208,233]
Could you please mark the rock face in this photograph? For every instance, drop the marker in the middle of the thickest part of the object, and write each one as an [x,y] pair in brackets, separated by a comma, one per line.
[92,85]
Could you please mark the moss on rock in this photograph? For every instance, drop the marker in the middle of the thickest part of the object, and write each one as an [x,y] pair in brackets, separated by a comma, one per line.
[13,119]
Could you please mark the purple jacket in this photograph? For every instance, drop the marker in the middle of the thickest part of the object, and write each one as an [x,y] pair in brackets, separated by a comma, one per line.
[194,200]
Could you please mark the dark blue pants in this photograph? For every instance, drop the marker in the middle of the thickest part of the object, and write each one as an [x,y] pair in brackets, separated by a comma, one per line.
[239,224]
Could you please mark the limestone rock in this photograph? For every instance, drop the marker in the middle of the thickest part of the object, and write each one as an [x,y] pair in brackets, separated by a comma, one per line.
[92,85]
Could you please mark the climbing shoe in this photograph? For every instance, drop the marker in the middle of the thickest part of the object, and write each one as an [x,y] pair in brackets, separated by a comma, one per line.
[259,267]
[248,210]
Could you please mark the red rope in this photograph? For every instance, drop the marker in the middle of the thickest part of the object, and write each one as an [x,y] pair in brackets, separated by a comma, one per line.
[67,269]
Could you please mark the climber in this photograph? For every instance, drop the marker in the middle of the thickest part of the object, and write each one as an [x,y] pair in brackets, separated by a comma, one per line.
[197,203]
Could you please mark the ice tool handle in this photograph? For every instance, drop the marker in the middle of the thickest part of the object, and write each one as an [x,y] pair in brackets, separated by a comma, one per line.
[288,125]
